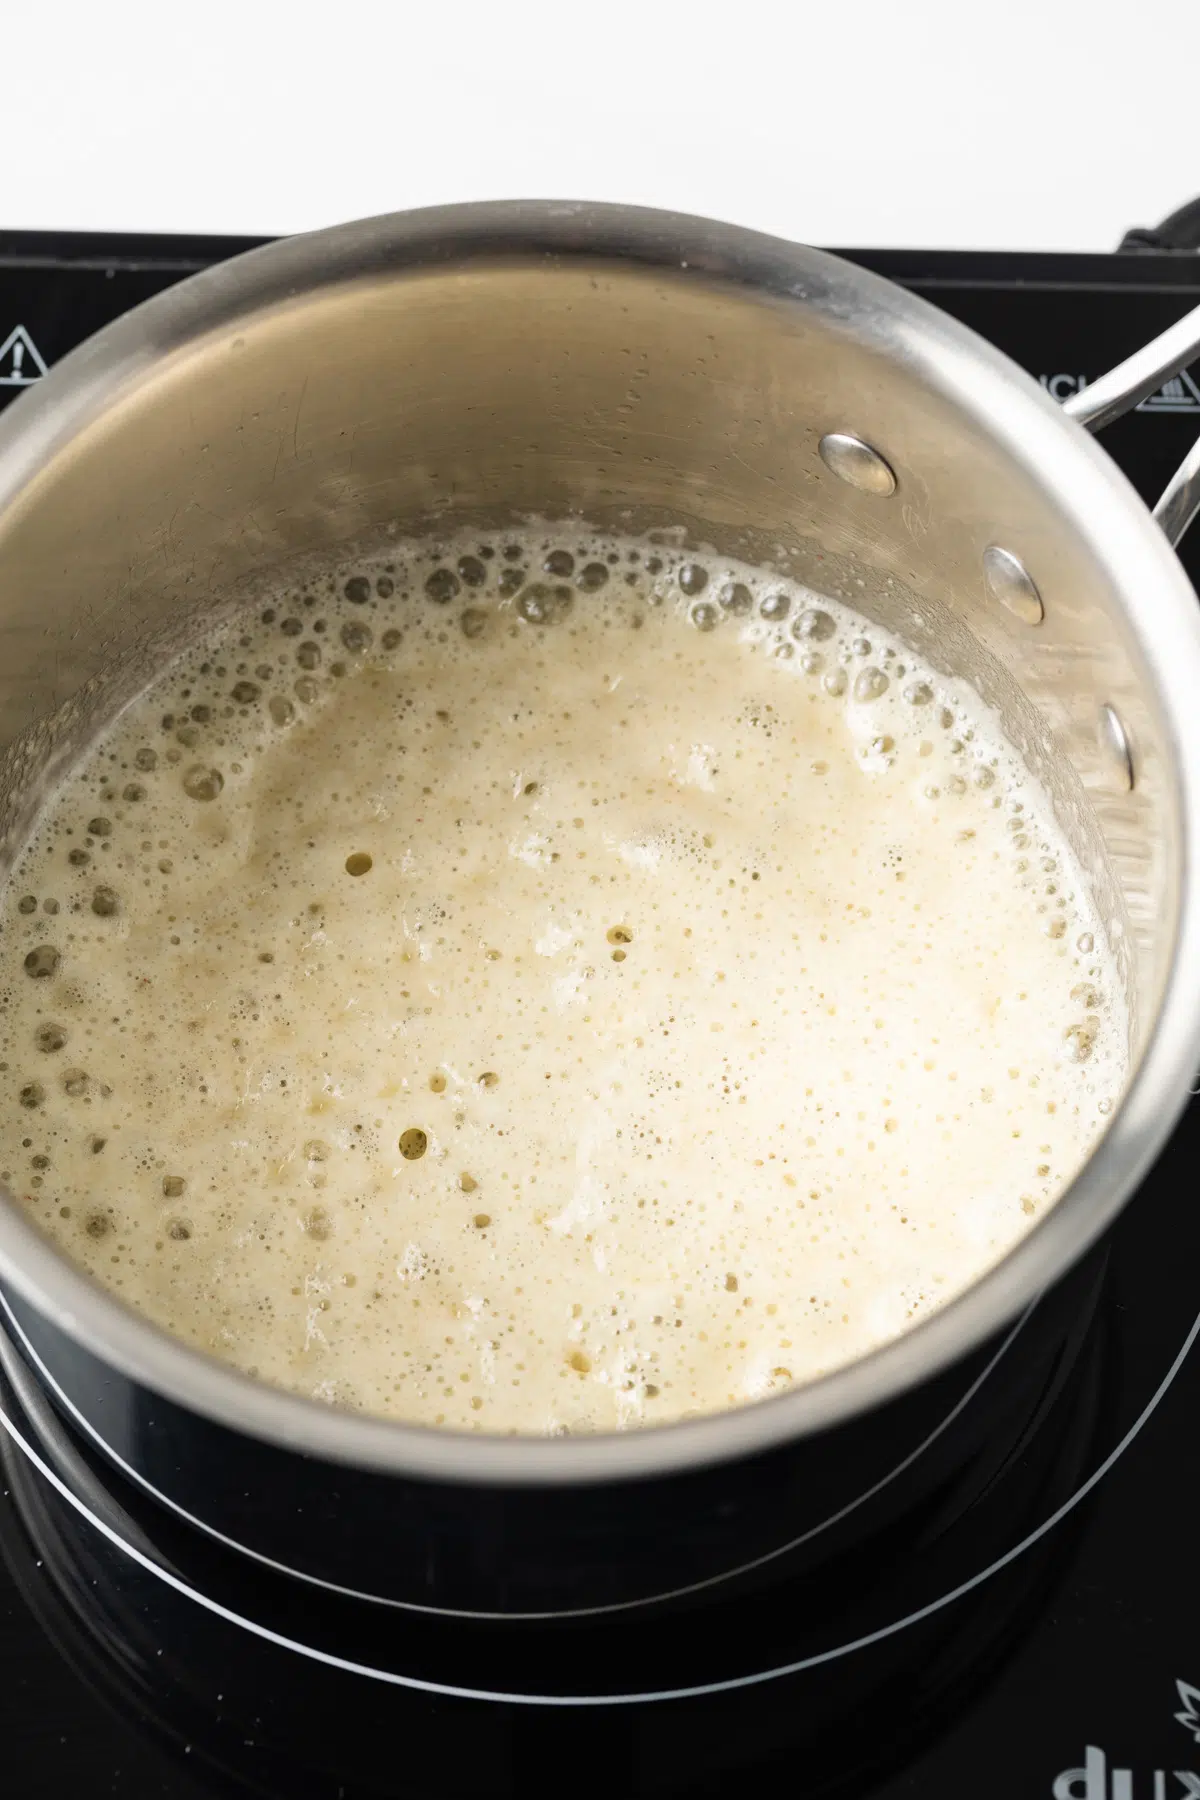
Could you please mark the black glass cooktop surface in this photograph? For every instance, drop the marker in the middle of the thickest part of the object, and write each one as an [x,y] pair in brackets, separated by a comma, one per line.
[1046,1646]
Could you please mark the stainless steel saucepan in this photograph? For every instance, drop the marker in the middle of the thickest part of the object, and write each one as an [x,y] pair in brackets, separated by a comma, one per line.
[473,365]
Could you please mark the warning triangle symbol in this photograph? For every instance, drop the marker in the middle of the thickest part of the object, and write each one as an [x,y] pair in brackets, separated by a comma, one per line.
[1179,394]
[21,361]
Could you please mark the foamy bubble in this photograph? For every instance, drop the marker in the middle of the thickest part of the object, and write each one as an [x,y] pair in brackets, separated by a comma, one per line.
[549,981]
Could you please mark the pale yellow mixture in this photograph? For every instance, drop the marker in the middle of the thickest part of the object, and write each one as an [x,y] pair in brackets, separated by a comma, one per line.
[548,984]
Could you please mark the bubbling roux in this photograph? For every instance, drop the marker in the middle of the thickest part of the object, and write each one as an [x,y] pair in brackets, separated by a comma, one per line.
[548,984]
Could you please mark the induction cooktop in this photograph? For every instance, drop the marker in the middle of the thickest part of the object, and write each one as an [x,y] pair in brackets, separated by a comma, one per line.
[1049,1646]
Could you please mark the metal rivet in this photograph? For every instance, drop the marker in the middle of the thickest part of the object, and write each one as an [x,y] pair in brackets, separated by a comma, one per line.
[853,461]
[1114,741]
[1009,582]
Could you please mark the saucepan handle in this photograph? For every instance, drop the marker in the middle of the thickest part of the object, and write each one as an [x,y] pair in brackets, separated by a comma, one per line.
[1130,383]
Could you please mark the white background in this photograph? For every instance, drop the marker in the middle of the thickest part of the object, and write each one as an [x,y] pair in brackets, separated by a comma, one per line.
[1024,123]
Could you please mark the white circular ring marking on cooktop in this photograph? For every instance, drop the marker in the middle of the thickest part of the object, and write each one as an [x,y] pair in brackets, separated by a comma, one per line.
[453,1692]
[447,1612]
